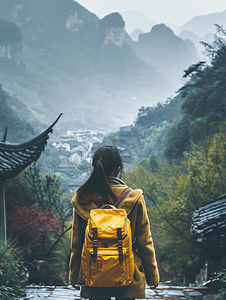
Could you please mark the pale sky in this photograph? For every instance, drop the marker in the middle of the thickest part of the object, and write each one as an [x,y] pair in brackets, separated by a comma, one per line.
[161,11]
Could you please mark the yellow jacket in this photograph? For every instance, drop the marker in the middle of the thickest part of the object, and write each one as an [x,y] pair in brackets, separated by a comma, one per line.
[145,261]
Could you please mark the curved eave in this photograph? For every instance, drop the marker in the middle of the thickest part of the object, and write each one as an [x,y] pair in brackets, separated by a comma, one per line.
[14,158]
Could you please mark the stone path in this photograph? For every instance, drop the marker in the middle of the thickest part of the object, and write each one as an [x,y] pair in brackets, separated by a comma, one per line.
[162,292]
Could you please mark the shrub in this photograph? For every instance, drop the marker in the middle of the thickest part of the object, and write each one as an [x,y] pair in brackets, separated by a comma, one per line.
[221,277]
[34,228]
[12,271]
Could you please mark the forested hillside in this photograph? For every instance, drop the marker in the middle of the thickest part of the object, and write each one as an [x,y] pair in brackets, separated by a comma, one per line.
[18,128]
[190,170]
[153,125]
[204,97]
[172,127]
[168,111]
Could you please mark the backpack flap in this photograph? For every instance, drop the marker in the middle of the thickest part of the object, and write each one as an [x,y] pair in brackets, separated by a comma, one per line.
[108,221]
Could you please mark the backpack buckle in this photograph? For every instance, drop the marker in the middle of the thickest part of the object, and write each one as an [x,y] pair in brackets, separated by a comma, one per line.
[119,234]
[95,244]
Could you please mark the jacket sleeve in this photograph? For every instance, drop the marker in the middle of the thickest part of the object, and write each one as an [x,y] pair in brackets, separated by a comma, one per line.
[145,244]
[78,229]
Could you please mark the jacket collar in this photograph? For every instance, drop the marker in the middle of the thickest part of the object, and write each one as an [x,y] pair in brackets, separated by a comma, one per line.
[115,180]
[83,209]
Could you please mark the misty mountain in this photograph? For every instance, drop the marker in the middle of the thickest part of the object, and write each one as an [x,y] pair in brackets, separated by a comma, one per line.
[135,34]
[74,63]
[191,47]
[18,128]
[188,35]
[111,51]
[137,20]
[163,50]
[173,27]
[201,25]
[45,23]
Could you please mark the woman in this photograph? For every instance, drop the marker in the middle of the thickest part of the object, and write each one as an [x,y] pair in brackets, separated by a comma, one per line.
[104,185]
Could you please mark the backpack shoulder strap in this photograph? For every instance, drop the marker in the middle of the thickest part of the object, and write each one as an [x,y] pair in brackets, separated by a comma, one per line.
[124,194]
[99,202]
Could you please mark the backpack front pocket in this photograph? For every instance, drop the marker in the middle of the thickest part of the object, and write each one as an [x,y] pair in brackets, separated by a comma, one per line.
[107,263]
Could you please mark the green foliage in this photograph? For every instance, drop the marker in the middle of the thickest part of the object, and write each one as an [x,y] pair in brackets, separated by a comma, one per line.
[18,189]
[204,99]
[173,191]
[41,194]
[153,163]
[221,277]
[169,111]
[60,256]
[12,271]
[155,133]
[144,110]
[178,139]
[154,124]
[83,165]
[42,118]
[48,163]
[18,127]
[64,179]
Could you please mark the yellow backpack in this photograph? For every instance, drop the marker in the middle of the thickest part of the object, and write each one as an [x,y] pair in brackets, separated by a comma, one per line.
[107,255]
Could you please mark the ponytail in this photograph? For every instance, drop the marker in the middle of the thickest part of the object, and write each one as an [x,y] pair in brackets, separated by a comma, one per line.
[105,161]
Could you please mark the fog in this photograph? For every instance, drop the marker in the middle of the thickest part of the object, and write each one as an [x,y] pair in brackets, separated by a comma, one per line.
[69,60]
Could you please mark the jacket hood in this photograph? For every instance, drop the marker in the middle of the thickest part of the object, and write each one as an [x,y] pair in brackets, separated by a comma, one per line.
[83,209]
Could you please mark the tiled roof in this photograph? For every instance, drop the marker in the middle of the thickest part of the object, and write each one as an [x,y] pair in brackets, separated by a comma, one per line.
[208,227]
[14,158]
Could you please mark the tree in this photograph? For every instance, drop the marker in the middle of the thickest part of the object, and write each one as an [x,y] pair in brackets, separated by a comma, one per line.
[155,133]
[204,99]
[38,212]
[221,277]
[173,191]
[34,228]
[143,111]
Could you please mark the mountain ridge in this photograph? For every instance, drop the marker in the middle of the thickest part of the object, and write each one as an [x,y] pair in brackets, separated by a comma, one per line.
[162,49]
[80,70]
[203,24]
[135,19]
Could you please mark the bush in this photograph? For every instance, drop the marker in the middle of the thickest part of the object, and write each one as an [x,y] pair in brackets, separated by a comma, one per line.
[37,218]
[12,271]
[174,191]
[221,277]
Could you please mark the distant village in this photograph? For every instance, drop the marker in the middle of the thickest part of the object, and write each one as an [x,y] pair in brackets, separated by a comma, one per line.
[75,150]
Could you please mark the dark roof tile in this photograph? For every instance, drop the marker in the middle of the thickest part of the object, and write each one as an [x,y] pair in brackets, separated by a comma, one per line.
[14,158]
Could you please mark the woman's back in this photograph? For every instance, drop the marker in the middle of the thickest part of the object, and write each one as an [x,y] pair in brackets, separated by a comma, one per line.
[134,205]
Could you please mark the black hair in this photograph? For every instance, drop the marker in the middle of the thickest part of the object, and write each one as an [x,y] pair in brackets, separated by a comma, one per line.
[106,160]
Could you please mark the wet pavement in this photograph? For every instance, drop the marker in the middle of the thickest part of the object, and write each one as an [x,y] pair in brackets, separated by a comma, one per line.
[162,292]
